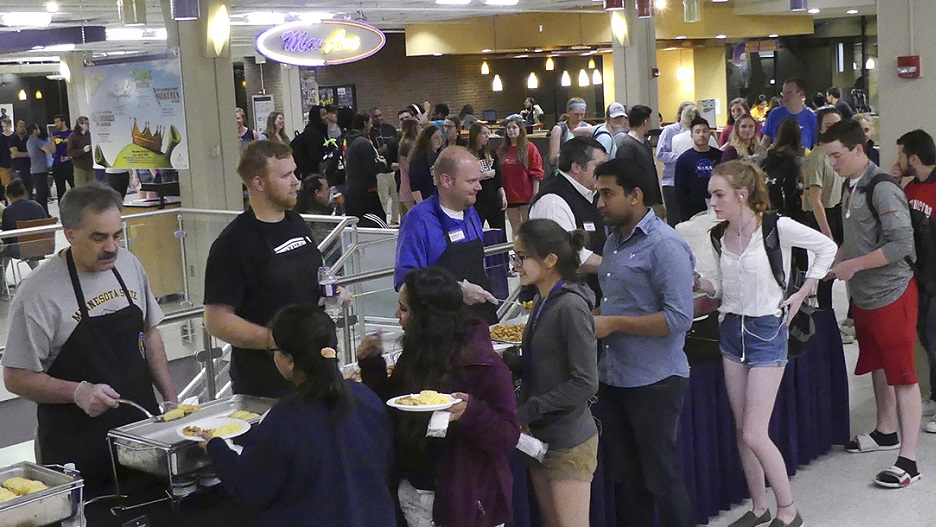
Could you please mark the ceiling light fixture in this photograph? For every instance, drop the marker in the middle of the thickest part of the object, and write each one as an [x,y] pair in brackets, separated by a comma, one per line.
[52,6]
[691,11]
[721,37]
[497,85]
[26,19]
[591,64]
[774,35]
[550,64]
[596,77]
[38,94]
[851,12]
[659,5]
[869,65]
[486,50]
[565,81]
[484,68]
[583,79]
[22,95]
[532,82]
[813,11]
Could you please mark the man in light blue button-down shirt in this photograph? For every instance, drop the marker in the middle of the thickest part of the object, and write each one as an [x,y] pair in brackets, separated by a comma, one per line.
[646,280]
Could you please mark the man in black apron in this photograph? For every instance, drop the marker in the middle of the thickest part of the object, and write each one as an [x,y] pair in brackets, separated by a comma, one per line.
[83,334]
[569,200]
[263,261]
[445,230]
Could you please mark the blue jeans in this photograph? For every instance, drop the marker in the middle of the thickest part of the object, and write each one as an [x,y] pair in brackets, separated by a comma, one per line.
[754,341]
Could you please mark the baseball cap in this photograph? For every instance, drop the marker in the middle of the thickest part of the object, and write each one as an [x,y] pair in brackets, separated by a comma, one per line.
[616,109]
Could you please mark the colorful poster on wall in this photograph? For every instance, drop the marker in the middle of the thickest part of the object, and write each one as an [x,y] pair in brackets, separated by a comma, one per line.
[136,111]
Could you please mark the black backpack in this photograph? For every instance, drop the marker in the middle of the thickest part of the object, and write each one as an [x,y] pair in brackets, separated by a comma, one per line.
[802,328]
[333,162]
[783,183]
[924,238]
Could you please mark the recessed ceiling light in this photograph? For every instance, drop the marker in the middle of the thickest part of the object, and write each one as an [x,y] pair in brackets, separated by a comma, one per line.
[773,36]
[436,54]
[681,37]
[537,51]
[813,11]
[721,36]
[52,6]
[486,50]
[852,12]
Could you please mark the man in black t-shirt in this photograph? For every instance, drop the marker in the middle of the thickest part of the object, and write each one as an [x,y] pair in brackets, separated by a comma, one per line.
[693,170]
[16,144]
[263,261]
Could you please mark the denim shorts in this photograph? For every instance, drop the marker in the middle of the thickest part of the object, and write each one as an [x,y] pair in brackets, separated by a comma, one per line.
[754,341]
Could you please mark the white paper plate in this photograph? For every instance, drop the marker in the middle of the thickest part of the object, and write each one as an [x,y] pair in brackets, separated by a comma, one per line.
[422,407]
[212,423]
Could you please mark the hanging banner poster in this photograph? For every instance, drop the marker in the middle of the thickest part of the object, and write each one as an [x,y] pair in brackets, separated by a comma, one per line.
[136,112]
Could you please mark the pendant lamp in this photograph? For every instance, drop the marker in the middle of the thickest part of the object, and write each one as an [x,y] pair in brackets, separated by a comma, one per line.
[565,81]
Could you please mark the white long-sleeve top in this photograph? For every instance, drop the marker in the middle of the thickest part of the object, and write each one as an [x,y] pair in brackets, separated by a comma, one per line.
[745,282]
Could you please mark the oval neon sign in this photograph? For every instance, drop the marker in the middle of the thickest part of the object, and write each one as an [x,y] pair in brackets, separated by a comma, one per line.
[319,44]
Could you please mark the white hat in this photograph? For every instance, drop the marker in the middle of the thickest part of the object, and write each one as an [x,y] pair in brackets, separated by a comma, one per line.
[616,109]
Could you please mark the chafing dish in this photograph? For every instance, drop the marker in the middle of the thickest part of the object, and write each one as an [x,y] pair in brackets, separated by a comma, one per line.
[60,501]
[156,448]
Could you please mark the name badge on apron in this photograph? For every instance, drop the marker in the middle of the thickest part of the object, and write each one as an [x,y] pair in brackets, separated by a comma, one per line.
[456,235]
[588,226]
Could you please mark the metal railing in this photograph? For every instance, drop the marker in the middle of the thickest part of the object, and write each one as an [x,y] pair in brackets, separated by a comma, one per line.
[210,356]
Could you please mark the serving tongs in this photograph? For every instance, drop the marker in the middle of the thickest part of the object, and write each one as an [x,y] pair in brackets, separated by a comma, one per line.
[155,419]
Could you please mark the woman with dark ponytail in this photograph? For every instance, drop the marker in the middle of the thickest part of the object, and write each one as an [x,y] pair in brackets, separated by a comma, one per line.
[462,479]
[321,457]
[560,370]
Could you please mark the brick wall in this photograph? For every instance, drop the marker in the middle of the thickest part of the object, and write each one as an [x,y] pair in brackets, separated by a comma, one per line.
[272,83]
[392,80]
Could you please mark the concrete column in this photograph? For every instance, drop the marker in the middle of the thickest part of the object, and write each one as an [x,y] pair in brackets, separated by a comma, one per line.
[292,99]
[633,83]
[905,28]
[76,87]
[208,89]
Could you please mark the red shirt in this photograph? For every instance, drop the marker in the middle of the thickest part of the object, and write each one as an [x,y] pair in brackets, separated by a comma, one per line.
[922,194]
[518,179]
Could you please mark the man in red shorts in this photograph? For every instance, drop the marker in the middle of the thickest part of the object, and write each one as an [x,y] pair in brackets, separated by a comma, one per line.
[884,301]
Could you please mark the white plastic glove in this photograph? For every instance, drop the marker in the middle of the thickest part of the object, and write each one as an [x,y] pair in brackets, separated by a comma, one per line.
[95,399]
[475,294]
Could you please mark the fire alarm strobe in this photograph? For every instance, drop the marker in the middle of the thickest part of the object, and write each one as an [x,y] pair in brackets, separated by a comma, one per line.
[908,67]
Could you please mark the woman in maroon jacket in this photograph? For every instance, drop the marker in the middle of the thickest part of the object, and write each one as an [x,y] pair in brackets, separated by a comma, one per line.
[463,479]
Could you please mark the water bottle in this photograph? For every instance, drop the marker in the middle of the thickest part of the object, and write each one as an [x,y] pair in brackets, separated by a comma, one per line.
[329,286]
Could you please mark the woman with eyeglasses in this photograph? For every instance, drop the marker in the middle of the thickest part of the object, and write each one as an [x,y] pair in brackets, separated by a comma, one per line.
[463,479]
[321,456]
[560,370]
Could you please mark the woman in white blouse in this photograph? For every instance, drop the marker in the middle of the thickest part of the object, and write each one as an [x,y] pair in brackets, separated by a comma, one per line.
[753,328]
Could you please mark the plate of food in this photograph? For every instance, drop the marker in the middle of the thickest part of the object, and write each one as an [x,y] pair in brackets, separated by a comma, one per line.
[510,333]
[424,401]
[223,427]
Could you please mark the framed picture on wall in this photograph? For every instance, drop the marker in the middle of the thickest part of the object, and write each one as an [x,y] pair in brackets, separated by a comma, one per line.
[341,96]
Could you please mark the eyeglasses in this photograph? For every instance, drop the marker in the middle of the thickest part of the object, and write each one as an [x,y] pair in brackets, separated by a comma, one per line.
[449,126]
[517,259]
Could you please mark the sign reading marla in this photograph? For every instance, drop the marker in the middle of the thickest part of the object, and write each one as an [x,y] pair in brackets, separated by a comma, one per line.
[320,44]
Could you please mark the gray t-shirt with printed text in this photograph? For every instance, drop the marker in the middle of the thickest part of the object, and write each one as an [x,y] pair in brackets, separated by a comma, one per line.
[45,311]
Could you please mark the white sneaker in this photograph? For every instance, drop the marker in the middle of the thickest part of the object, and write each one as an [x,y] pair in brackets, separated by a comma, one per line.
[931,426]
[847,330]
[848,339]
[929,407]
